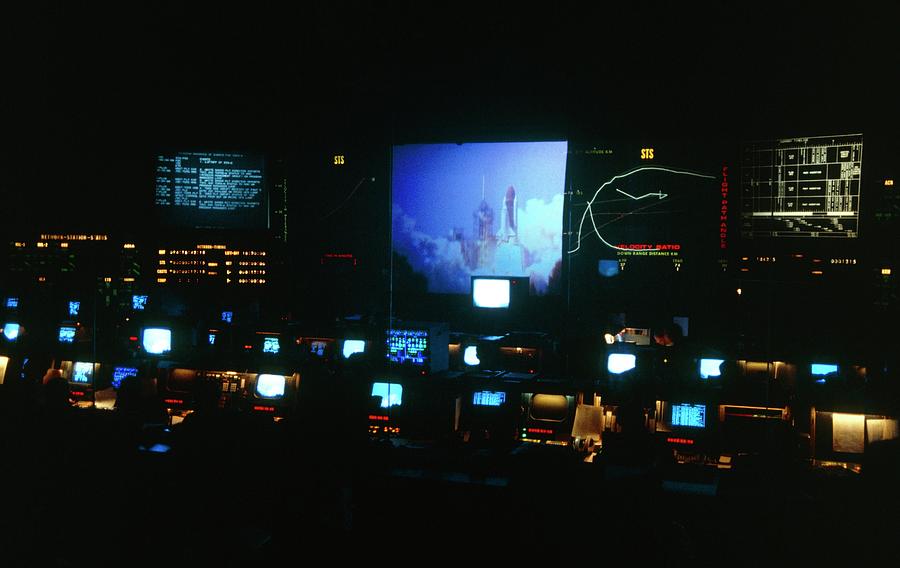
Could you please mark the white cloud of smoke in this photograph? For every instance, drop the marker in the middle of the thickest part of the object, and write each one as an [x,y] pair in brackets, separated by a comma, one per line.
[440,259]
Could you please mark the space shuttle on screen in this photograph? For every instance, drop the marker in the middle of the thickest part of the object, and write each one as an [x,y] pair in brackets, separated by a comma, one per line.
[509,217]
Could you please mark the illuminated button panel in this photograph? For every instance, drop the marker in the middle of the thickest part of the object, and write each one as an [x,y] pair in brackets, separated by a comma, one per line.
[379,425]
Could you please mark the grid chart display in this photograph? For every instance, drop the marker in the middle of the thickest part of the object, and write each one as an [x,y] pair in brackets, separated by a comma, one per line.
[802,187]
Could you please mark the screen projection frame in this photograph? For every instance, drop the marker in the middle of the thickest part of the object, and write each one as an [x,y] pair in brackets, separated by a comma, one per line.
[258,218]
[806,187]
[500,212]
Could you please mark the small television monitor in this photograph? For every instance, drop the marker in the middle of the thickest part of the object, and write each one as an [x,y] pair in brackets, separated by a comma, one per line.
[689,415]
[488,398]
[212,339]
[318,347]
[83,372]
[549,407]
[470,356]
[407,346]
[352,346]
[74,308]
[270,386]
[12,302]
[710,368]
[618,363]
[271,345]
[66,334]
[138,302]
[119,373]
[157,340]
[227,316]
[490,292]
[608,268]
[11,331]
[822,369]
[391,394]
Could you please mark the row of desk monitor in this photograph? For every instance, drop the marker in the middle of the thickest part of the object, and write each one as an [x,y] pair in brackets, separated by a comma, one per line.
[415,347]
[87,375]
[544,417]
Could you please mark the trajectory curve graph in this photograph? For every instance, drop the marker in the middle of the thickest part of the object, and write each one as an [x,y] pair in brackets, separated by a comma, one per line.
[609,181]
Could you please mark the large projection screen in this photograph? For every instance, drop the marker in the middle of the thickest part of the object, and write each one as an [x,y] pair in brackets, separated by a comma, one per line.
[479,209]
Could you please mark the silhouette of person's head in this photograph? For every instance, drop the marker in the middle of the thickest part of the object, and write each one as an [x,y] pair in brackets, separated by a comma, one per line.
[56,394]
[129,396]
[207,394]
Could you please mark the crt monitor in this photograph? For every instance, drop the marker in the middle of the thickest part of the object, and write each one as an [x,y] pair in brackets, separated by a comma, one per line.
[227,316]
[470,356]
[157,340]
[710,368]
[74,308]
[488,398]
[270,386]
[138,302]
[352,346]
[119,373]
[689,415]
[391,394]
[407,346]
[318,347]
[271,345]
[83,372]
[491,293]
[66,334]
[549,407]
[12,302]
[11,331]
[618,363]
[822,369]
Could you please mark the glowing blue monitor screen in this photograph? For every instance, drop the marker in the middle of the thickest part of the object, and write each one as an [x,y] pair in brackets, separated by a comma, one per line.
[12,302]
[608,268]
[490,293]
[823,369]
[212,339]
[352,346]
[470,356]
[11,331]
[463,210]
[212,190]
[157,340]
[227,316]
[710,368]
[690,415]
[74,308]
[138,302]
[407,346]
[270,386]
[391,394]
[66,334]
[271,345]
[318,348]
[488,398]
[120,373]
[618,363]
[83,373]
